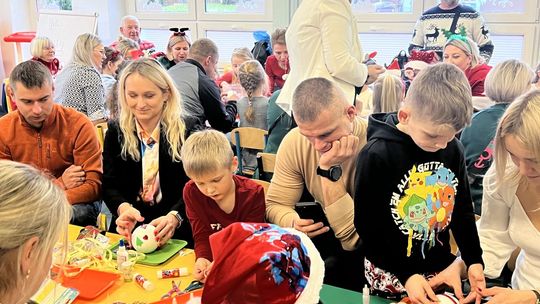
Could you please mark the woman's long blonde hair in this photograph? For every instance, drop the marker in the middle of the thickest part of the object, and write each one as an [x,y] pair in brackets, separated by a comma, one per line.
[521,119]
[172,124]
[31,205]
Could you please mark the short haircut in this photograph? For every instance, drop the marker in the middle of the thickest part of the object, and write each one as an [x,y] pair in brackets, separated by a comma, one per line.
[205,152]
[128,17]
[243,53]
[31,74]
[508,80]
[38,44]
[441,94]
[314,95]
[521,119]
[83,49]
[125,45]
[278,36]
[202,48]
[387,93]
[468,46]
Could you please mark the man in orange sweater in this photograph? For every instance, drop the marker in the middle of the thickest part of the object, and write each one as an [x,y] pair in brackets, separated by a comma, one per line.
[60,141]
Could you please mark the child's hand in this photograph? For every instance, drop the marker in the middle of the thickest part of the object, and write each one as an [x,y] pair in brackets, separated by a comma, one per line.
[478,283]
[417,288]
[126,222]
[310,228]
[341,150]
[450,276]
[201,269]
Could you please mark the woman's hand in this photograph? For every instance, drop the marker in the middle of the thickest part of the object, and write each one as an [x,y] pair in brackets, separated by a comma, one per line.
[165,227]
[126,221]
[450,276]
[500,295]
[419,291]
[201,269]
[478,283]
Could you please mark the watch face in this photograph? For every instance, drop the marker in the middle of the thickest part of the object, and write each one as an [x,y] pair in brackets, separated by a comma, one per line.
[335,173]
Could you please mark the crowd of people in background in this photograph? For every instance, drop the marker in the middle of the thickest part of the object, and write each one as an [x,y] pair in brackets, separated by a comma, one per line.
[396,161]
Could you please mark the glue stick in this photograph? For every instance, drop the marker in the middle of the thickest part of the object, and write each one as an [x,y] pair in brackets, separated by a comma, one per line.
[365,295]
[172,273]
[143,282]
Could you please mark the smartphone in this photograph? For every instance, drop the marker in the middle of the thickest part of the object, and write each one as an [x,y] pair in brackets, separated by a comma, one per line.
[311,210]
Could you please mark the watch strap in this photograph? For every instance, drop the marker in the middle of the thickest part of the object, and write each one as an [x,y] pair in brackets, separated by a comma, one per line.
[537,296]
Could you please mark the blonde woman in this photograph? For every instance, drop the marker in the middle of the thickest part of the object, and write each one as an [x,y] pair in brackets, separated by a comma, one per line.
[42,50]
[34,212]
[510,207]
[463,52]
[79,84]
[504,83]
[388,93]
[143,173]
[177,48]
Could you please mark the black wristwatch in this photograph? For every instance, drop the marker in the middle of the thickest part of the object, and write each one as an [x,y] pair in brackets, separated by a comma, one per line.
[178,218]
[537,296]
[333,174]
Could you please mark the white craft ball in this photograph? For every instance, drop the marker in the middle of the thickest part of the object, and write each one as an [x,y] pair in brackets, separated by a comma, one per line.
[143,239]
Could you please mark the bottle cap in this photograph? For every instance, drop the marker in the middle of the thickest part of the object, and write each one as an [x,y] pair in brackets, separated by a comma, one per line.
[121,243]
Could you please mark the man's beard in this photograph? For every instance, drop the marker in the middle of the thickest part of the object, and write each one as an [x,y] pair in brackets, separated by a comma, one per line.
[450,2]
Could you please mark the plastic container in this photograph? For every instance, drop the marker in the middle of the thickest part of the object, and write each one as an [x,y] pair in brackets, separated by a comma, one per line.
[121,255]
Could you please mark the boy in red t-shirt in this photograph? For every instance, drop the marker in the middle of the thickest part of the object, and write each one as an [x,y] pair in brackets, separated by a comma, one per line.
[216,197]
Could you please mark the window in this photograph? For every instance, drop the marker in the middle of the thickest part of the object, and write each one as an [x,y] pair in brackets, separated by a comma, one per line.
[234,6]
[506,47]
[387,45]
[164,6]
[496,6]
[160,38]
[382,6]
[64,5]
[227,41]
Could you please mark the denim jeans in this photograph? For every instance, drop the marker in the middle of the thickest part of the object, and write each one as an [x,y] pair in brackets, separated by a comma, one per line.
[85,214]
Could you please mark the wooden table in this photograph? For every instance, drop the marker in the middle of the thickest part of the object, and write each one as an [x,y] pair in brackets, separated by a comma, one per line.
[130,292]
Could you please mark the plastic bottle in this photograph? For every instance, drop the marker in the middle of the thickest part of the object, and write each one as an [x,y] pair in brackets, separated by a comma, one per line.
[365,295]
[172,273]
[121,255]
[143,282]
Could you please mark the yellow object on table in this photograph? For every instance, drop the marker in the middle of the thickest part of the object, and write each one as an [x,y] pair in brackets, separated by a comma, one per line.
[129,292]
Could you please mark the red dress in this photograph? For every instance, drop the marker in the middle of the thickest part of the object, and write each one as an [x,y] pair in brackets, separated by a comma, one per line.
[476,77]
[53,66]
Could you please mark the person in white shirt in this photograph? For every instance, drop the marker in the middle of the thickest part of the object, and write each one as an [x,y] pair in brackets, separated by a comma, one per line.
[510,206]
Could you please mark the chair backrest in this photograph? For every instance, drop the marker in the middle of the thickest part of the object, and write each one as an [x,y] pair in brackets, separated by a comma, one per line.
[101,129]
[264,184]
[248,138]
[266,163]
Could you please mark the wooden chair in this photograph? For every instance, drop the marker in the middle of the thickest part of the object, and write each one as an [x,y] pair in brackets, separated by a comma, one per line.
[247,138]
[101,129]
[266,163]
[264,184]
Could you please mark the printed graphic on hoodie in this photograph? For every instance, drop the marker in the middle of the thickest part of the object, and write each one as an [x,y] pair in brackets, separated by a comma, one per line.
[423,203]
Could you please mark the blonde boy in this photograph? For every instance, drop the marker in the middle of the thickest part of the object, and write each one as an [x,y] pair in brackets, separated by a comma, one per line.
[216,197]
[412,189]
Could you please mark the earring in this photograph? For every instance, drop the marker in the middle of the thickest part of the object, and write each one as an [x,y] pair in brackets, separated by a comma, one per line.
[27,274]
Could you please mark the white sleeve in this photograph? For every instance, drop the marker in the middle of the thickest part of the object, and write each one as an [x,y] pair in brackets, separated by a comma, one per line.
[493,229]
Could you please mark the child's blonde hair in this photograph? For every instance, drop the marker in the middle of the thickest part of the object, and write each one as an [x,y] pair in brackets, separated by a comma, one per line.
[252,78]
[205,152]
[387,93]
[441,94]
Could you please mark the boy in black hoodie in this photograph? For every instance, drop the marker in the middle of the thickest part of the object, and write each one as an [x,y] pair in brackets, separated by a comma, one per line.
[411,189]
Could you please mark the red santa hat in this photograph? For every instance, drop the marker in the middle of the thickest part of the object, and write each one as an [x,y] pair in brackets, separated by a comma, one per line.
[263,263]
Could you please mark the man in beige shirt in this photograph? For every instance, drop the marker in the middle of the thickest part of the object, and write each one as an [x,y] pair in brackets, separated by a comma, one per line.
[320,154]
